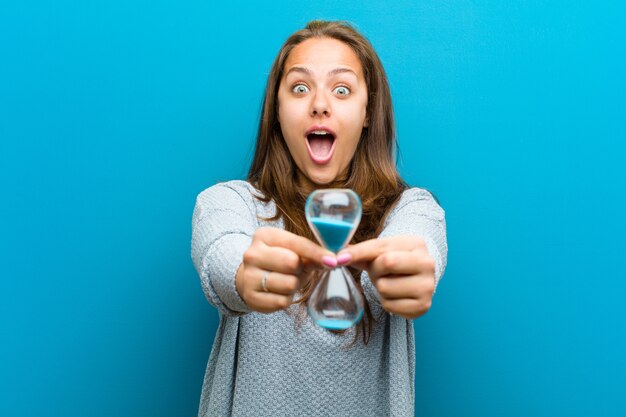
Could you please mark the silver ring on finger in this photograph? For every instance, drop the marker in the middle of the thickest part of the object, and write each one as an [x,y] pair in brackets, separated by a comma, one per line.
[264,281]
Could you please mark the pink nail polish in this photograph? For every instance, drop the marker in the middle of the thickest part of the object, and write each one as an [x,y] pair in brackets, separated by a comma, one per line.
[344,258]
[329,261]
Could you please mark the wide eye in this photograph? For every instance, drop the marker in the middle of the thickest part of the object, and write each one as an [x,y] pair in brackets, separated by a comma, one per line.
[342,91]
[300,88]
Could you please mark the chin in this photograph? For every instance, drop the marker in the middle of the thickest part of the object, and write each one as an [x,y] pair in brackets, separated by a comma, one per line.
[321,179]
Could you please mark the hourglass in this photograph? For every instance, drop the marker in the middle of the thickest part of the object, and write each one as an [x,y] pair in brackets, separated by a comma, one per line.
[334,215]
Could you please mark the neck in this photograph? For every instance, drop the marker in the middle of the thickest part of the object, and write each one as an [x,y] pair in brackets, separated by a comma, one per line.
[307,186]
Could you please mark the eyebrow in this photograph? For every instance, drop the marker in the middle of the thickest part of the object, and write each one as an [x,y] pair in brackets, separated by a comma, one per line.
[330,73]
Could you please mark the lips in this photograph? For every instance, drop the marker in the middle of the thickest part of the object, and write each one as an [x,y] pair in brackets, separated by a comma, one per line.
[320,142]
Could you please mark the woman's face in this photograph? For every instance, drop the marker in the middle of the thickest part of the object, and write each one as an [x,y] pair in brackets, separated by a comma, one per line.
[322,101]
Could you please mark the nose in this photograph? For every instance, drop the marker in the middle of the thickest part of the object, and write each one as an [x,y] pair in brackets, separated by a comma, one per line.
[320,105]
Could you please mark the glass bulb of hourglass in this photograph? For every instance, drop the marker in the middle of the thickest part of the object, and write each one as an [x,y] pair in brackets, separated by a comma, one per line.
[334,215]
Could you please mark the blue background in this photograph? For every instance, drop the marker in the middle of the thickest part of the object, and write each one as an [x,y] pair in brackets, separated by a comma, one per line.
[115,114]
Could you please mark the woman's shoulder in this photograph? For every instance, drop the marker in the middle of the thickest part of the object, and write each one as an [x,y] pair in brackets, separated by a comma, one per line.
[420,198]
[234,195]
[229,194]
[419,193]
[231,189]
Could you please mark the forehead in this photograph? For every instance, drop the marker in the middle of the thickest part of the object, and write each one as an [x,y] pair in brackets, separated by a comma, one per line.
[322,54]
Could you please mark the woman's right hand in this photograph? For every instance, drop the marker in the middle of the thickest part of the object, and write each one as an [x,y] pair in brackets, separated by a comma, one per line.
[285,259]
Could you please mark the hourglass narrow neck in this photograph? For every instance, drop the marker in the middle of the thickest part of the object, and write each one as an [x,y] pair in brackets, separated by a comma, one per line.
[334,234]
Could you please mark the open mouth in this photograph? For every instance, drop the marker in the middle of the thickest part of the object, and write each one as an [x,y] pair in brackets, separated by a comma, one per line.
[321,146]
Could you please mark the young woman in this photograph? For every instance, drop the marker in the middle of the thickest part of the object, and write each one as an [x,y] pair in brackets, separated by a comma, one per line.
[327,122]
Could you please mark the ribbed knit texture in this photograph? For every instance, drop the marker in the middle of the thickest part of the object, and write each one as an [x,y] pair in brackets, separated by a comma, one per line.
[260,364]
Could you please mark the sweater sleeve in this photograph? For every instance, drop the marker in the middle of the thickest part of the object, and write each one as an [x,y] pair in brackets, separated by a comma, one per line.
[222,227]
[418,214]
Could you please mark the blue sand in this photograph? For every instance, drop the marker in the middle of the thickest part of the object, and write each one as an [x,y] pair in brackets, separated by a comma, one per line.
[334,324]
[334,233]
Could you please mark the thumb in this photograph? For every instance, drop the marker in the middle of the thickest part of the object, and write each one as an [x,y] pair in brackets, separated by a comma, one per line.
[309,265]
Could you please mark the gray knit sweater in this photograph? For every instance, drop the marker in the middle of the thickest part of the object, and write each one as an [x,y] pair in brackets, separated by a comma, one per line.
[262,364]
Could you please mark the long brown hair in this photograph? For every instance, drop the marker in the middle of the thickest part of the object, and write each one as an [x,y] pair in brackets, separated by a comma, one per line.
[372,173]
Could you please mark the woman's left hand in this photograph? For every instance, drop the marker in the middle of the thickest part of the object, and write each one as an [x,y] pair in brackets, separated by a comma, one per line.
[400,268]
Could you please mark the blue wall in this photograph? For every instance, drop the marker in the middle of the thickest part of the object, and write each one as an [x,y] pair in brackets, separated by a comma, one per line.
[115,114]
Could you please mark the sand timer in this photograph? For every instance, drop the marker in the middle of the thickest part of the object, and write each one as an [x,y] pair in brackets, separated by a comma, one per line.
[334,215]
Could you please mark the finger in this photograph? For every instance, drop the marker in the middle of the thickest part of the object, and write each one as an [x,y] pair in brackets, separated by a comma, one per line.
[415,287]
[364,253]
[302,246]
[309,266]
[401,263]
[267,302]
[406,307]
[273,258]
[278,283]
